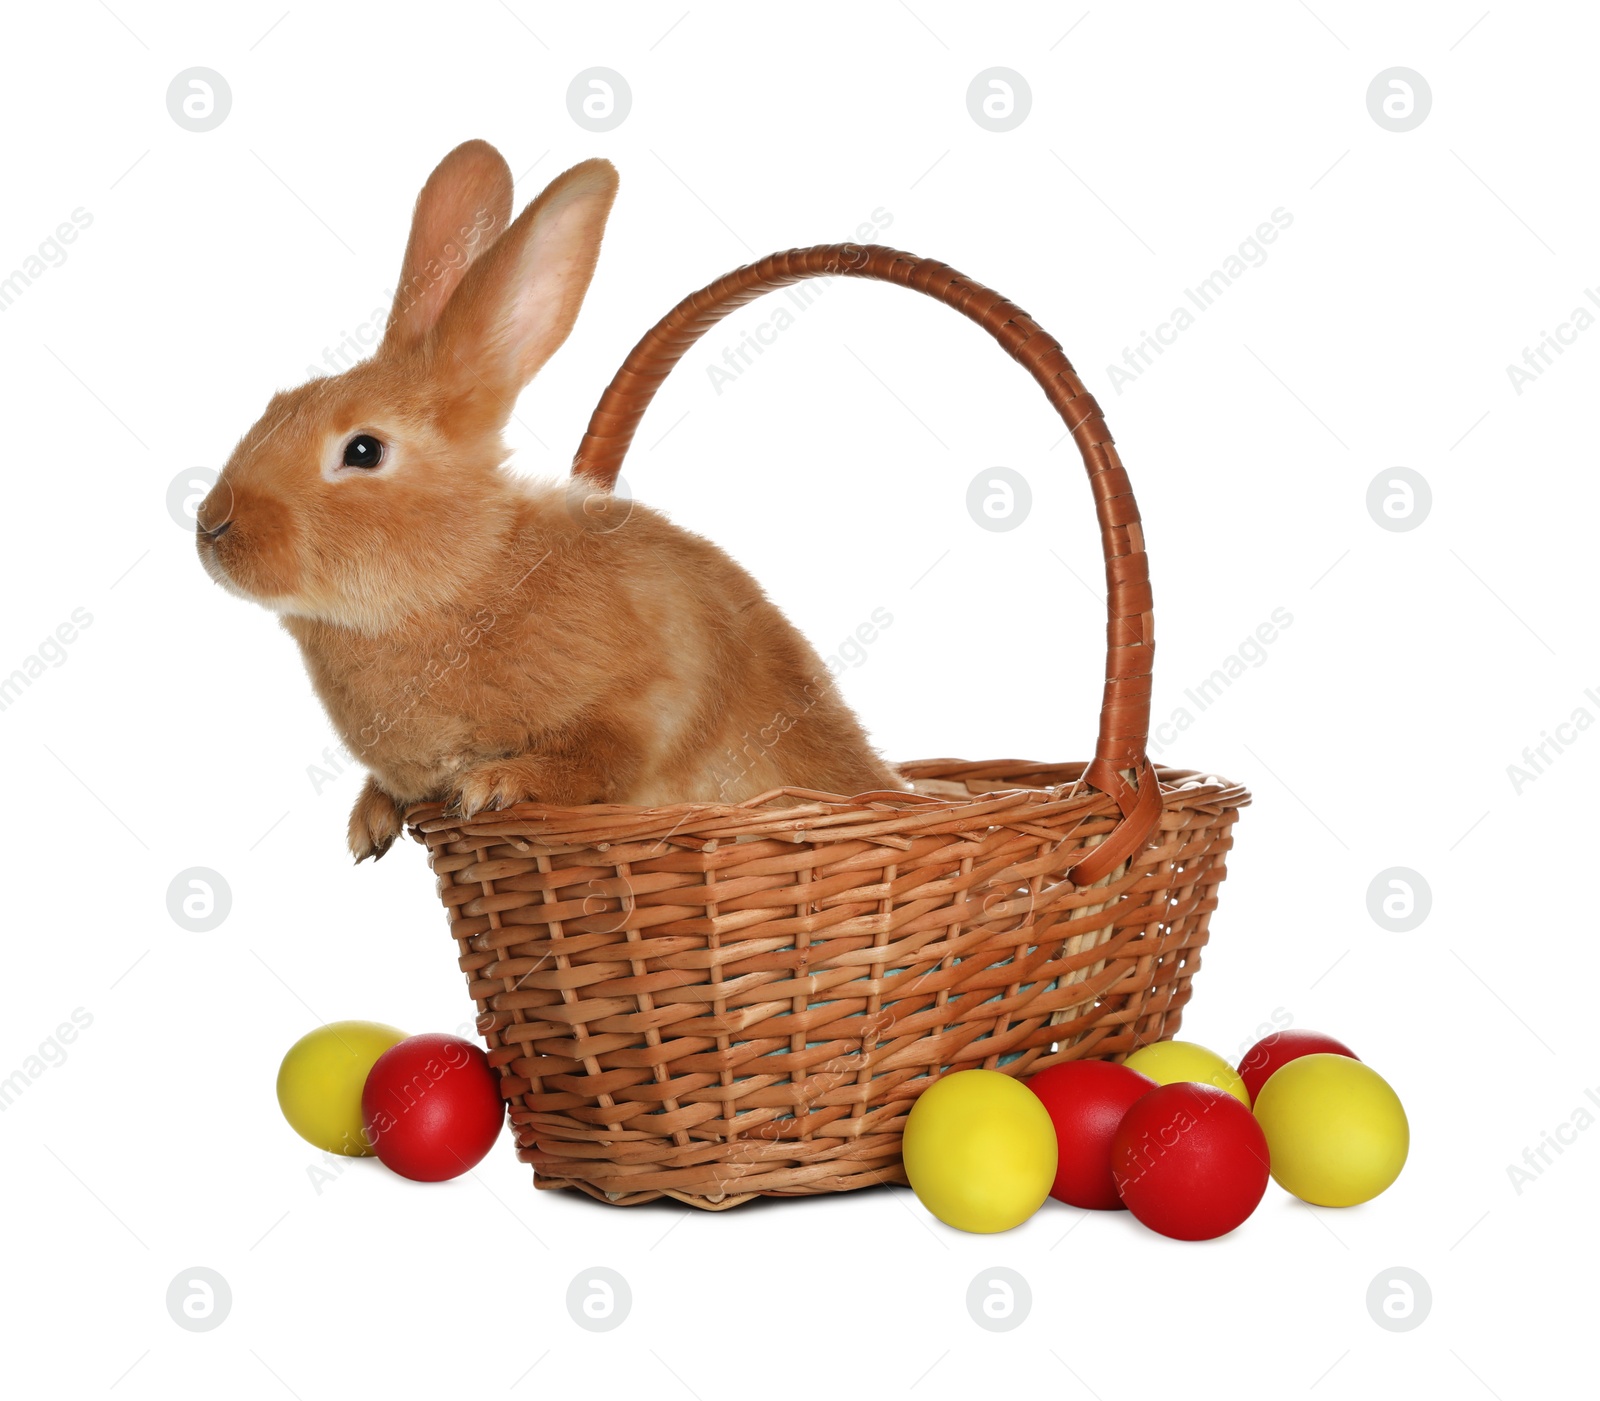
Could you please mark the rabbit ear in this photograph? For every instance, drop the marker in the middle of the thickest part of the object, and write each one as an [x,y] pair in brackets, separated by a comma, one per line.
[461,211]
[517,303]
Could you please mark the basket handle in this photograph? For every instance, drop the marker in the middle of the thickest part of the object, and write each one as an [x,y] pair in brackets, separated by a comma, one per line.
[1121,769]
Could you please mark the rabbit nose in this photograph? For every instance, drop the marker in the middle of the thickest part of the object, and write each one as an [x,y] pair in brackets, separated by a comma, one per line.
[216,532]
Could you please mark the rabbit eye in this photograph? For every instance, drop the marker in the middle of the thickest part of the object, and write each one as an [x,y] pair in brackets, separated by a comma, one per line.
[363,450]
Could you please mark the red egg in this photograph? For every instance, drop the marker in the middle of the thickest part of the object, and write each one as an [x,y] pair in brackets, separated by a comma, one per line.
[431,1107]
[1086,1100]
[1275,1051]
[1190,1161]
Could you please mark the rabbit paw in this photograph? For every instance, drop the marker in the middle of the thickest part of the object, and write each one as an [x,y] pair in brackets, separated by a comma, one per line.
[374,823]
[500,785]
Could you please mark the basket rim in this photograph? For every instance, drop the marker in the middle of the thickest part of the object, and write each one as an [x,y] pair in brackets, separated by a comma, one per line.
[811,814]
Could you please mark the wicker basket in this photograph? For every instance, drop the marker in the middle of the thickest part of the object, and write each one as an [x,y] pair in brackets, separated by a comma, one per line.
[715,1002]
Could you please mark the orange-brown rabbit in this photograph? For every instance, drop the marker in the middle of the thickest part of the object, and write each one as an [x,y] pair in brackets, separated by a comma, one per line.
[480,638]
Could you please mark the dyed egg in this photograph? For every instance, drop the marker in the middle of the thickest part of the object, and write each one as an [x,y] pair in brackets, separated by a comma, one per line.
[320,1081]
[980,1151]
[432,1107]
[1337,1131]
[1273,1052]
[1190,1161]
[1168,1062]
[1086,1100]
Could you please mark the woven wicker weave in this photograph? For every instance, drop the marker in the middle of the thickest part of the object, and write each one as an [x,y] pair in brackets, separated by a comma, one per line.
[714,1002]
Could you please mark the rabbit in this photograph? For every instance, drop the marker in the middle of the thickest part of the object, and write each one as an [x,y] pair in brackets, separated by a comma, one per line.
[480,639]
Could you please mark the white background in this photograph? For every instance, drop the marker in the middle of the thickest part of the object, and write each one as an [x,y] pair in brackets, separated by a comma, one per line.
[179,729]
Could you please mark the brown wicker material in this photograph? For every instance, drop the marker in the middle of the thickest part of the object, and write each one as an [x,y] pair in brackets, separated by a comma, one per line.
[714,1002]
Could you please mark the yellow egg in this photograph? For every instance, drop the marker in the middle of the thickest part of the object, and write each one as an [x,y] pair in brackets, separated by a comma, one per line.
[320,1080]
[1336,1132]
[1168,1062]
[980,1151]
